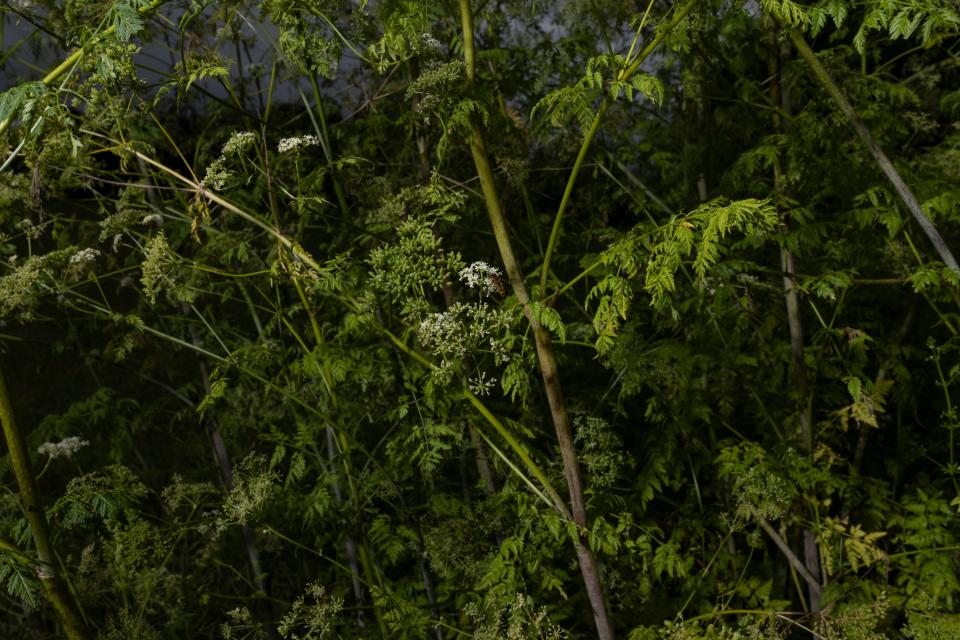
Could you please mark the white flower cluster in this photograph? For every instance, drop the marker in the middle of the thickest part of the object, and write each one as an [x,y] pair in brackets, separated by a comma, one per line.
[295,144]
[429,42]
[32,231]
[481,385]
[239,141]
[481,275]
[219,175]
[84,256]
[465,329]
[444,332]
[65,448]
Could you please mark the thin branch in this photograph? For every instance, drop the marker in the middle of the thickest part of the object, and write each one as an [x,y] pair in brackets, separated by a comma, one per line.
[545,356]
[592,131]
[788,553]
[72,60]
[896,180]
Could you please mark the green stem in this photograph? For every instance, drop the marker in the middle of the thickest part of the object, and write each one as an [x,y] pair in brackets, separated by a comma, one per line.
[592,131]
[54,587]
[532,466]
[324,133]
[535,469]
[951,416]
[548,364]
[896,180]
[14,552]
[72,60]
[198,188]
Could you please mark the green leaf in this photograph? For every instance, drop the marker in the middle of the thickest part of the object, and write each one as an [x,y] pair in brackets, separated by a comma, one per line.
[855,387]
[21,584]
[549,318]
[559,107]
[786,11]
[14,98]
[126,20]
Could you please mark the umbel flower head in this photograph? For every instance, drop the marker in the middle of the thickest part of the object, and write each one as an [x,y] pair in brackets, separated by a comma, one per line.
[84,256]
[63,449]
[481,275]
[295,144]
[239,142]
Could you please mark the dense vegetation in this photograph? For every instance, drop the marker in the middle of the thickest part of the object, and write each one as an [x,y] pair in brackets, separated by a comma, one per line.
[497,319]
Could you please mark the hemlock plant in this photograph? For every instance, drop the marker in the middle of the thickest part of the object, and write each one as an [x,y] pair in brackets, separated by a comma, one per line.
[496,319]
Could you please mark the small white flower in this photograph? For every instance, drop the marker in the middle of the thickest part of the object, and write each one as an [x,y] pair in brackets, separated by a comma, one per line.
[84,256]
[437,326]
[481,385]
[239,141]
[481,275]
[65,448]
[218,176]
[444,334]
[429,42]
[295,144]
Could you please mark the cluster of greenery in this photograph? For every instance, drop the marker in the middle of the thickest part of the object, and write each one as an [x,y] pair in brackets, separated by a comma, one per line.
[497,319]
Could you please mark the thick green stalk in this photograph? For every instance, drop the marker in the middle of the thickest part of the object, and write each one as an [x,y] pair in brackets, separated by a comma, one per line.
[73,59]
[896,180]
[592,131]
[54,588]
[548,364]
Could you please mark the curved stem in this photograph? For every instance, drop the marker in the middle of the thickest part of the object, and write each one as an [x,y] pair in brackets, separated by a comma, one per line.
[54,587]
[198,188]
[537,472]
[591,132]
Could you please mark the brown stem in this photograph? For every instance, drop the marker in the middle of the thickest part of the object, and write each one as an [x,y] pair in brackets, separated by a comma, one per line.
[64,603]
[545,356]
[795,325]
[795,562]
[896,180]
[811,554]
[350,544]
